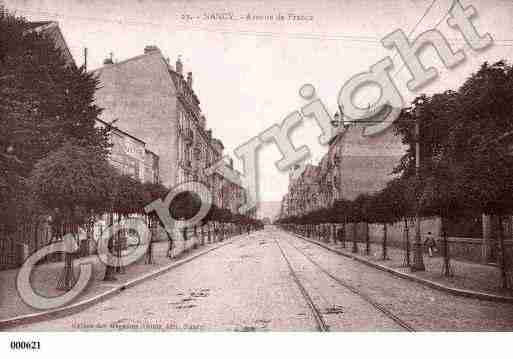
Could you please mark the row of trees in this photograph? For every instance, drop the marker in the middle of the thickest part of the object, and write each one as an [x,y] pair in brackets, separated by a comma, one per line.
[187,204]
[466,164]
[392,204]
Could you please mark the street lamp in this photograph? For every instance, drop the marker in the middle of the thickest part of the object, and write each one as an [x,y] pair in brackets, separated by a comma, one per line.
[418,260]
[336,120]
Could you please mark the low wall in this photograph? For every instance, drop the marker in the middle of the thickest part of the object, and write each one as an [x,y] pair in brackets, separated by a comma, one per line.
[395,232]
[468,249]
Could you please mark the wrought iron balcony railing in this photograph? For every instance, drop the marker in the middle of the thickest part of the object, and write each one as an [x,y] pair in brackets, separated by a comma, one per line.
[186,163]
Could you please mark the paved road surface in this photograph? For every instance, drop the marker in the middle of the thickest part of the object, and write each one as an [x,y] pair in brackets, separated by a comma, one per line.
[272,280]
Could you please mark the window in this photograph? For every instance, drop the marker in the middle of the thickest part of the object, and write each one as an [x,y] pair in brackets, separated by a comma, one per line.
[187,152]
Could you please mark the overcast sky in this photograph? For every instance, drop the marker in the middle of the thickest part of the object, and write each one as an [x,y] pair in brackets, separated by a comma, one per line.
[247,73]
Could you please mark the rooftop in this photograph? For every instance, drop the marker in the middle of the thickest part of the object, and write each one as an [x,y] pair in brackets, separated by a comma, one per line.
[36,24]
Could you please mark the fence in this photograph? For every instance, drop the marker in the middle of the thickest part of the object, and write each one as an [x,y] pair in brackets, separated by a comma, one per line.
[28,238]
[8,253]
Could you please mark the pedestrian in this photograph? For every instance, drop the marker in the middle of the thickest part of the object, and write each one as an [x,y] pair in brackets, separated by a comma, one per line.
[430,244]
[340,235]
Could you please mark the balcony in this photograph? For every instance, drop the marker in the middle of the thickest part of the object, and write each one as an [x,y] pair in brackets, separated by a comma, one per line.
[186,164]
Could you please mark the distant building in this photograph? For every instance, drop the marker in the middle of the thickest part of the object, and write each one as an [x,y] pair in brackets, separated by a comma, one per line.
[354,164]
[303,192]
[130,156]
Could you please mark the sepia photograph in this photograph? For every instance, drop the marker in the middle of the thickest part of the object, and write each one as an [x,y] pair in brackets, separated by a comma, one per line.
[179,167]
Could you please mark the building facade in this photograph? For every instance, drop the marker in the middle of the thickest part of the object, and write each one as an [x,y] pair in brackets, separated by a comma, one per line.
[147,96]
[303,192]
[130,156]
[354,164]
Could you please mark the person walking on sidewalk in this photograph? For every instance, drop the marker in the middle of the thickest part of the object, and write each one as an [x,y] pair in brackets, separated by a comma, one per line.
[430,244]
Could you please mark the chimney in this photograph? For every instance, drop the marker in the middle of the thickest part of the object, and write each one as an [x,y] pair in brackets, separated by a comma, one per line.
[209,134]
[179,66]
[151,49]
[189,79]
[203,121]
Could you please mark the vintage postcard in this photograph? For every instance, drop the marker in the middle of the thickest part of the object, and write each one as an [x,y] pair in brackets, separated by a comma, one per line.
[255,166]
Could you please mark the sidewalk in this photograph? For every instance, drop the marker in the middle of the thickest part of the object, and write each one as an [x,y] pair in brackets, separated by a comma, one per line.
[45,277]
[467,276]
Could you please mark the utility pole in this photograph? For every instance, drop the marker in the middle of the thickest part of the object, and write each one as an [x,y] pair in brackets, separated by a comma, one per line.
[418,260]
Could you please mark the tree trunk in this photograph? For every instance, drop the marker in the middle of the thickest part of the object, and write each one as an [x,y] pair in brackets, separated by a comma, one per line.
[367,239]
[67,279]
[120,237]
[36,244]
[406,234]
[109,269]
[89,236]
[502,248]
[355,233]
[447,271]
[343,240]
[149,253]
[385,238]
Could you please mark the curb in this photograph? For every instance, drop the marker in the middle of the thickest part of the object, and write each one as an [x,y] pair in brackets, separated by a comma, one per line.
[451,290]
[80,306]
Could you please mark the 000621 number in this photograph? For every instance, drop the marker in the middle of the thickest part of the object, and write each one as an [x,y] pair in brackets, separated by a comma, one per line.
[21,345]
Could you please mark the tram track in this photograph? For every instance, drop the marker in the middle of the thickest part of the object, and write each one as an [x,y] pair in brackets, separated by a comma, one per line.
[321,324]
[315,310]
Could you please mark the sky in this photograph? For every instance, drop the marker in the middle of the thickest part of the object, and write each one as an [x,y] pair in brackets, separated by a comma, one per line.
[247,73]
